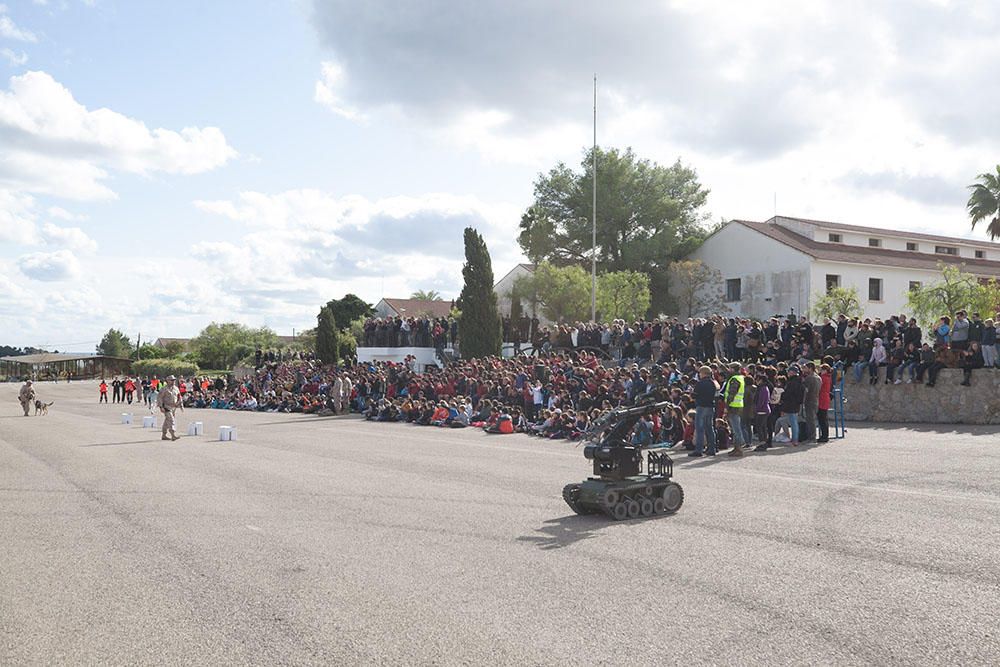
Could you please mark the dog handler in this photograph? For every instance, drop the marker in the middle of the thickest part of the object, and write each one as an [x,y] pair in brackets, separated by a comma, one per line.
[26,396]
[168,401]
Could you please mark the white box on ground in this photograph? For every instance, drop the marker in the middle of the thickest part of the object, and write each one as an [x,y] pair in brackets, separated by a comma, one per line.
[149,421]
[192,429]
[232,433]
[199,428]
[126,418]
[225,432]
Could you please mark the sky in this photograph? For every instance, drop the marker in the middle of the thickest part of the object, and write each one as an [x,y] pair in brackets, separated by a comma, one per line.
[165,165]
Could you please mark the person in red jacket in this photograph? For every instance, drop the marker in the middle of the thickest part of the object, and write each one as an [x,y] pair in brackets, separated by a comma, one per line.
[825,389]
[104,392]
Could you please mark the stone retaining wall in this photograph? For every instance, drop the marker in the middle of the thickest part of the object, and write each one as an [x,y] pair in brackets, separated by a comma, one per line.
[948,402]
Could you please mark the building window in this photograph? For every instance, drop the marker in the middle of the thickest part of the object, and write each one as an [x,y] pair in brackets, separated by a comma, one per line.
[874,289]
[945,250]
[835,238]
[733,289]
[914,285]
[980,254]
[912,246]
[832,281]
[874,243]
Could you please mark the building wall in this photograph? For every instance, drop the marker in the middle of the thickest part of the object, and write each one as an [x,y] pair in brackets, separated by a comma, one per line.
[504,287]
[895,284]
[773,277]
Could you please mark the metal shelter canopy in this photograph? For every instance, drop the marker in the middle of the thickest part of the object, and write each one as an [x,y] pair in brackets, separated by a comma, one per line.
[53,364]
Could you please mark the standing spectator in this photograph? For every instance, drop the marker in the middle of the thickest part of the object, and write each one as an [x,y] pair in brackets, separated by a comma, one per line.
[960,331]
[791,402]
[734,392]
[810,402]
[104,392]
[989,344]
[823,405]
[705,392]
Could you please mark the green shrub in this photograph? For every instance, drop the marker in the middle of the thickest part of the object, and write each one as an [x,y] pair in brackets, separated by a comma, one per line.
[164,367]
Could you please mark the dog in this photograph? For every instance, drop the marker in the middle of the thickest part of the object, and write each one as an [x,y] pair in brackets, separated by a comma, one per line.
[42,408]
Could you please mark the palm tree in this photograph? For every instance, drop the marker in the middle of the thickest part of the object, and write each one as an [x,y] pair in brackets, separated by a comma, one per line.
[985,202]
[429,295]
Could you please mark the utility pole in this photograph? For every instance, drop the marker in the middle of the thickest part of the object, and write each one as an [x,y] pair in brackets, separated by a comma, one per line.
[593,250]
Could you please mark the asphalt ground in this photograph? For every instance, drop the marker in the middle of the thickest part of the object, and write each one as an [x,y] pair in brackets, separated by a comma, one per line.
[334,541]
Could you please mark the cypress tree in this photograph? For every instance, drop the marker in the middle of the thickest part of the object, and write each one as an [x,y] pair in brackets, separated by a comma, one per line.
[326,336]
[479,328]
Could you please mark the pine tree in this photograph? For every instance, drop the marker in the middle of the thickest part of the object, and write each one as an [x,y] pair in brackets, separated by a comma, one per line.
[479,328]
[326,336]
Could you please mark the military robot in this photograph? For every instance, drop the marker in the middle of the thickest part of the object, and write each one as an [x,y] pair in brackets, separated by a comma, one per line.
[619,488]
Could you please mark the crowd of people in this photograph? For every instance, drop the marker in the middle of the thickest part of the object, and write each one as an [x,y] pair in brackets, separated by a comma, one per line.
[410,332]
[732,383]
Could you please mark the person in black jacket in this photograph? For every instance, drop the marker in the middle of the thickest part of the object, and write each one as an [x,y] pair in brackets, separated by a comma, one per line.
[972,358]
[791,402]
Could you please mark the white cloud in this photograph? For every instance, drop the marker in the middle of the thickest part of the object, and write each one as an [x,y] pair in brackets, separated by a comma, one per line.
[15,59]
[73,238]
[327,91]
[17,218]
[49,266]
[872,113]
[328,245]
[57,146]
[9,30]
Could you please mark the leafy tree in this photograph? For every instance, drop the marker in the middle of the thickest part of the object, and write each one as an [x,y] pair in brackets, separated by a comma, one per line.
[327,341]
[622,295]
[349,308]
[647,215]
[429,295]
[220,346]
[837,301]
[174,348]
[985,202]
[697,288]
[957,290]
[115,344]
[480,323]
[150,351]
[516,311]
[347,347]
[164,367]
[563,292]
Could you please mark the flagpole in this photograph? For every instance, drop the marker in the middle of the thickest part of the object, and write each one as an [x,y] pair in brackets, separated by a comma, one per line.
[593,250]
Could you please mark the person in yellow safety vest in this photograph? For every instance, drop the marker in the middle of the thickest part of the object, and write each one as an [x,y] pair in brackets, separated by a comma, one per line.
[734,392]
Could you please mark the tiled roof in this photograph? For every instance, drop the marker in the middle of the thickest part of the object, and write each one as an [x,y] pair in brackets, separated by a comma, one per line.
[875,231]
[838,252]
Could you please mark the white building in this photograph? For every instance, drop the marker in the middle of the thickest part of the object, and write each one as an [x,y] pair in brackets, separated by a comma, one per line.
[772,267]
[504,286]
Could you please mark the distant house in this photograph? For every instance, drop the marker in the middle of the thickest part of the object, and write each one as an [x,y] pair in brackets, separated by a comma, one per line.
[771,267]
[413,308]
[506,284]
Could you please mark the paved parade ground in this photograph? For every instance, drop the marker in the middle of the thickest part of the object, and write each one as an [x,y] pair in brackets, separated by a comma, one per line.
[334,541]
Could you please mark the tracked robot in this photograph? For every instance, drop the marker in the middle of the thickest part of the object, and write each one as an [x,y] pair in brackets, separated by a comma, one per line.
[619,488]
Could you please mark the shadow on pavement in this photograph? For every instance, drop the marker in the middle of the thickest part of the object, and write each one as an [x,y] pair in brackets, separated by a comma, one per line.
[958,429]
[133,442]
[573,528]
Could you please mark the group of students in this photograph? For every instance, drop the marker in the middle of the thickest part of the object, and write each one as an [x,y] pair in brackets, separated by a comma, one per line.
[964,343]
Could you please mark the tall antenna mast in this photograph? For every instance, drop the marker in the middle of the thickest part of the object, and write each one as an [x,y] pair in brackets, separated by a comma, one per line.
[593,250]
